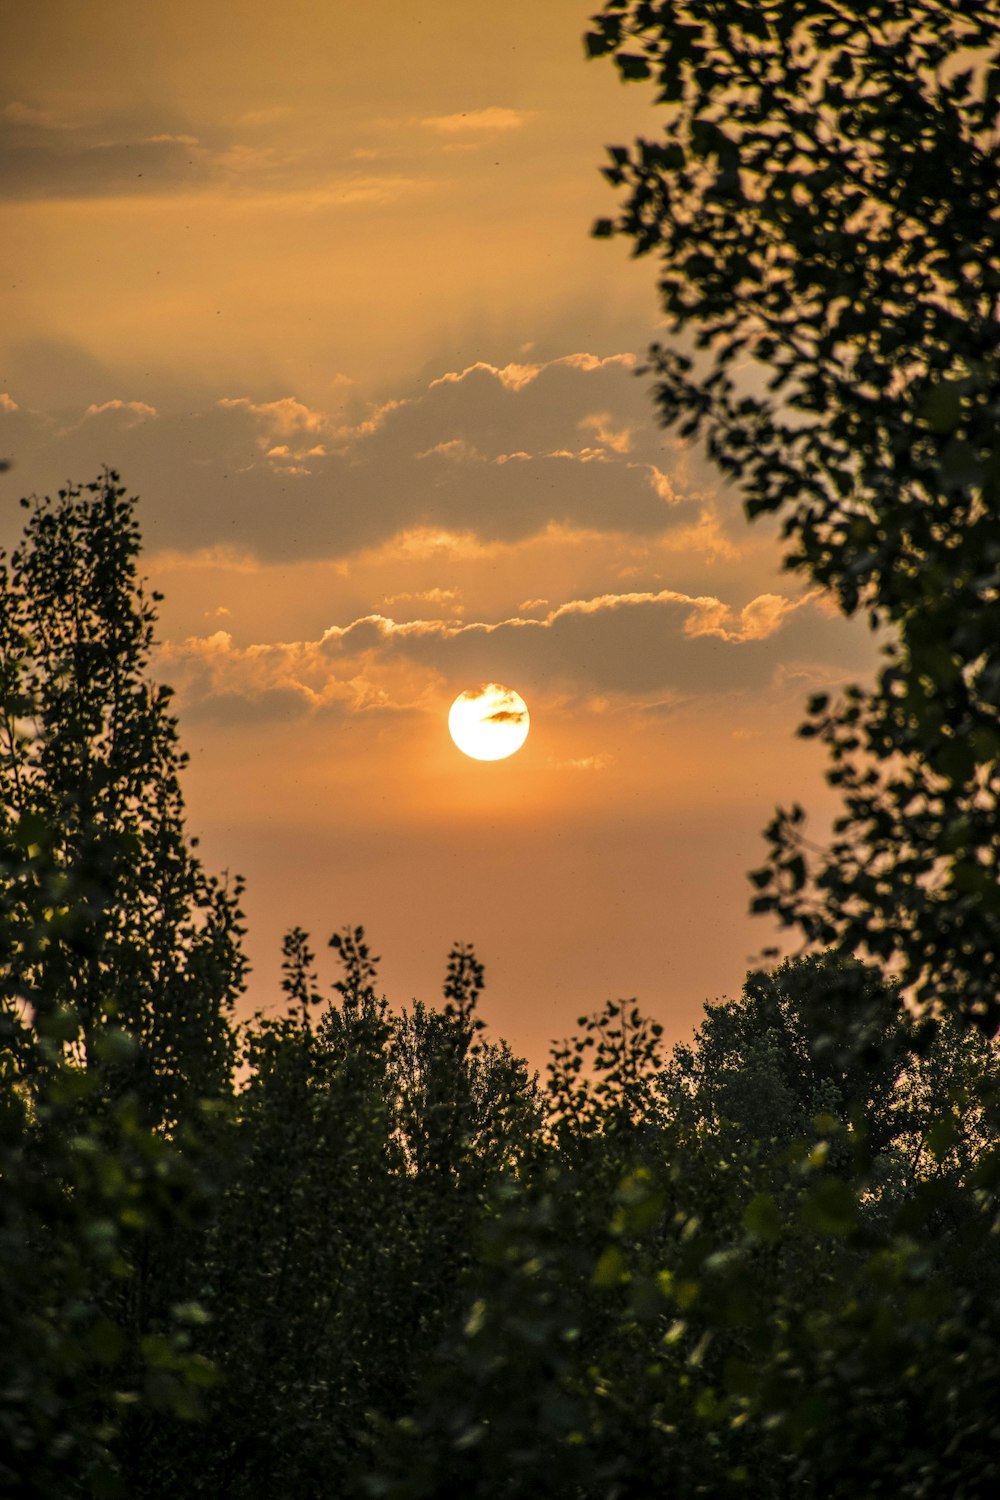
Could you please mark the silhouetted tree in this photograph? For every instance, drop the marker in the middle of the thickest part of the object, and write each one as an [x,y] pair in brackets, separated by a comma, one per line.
[823,203]
[354,1178]
[119,961]
[89,770]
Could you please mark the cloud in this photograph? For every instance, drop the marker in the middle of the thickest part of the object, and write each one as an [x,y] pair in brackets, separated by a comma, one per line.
[583,763]
[36,164]
[144,156]
[444,599]
[601,424]
[632,644]
[244,710]
[647,649]
[755,621]
[506,716]
[516,376]
[131,413]
[279,418]
[269,116]
[492,119]
[477,456]
[18,113]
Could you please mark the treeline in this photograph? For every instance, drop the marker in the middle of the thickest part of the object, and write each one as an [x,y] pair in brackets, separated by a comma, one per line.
[350,1249]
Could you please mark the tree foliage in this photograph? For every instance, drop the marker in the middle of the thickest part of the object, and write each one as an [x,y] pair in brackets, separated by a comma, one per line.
[119,962]
[823,202]
[758,1284]
[147,941]
[352,1178]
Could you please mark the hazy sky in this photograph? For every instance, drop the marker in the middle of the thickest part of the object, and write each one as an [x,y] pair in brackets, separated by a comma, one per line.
[318,282]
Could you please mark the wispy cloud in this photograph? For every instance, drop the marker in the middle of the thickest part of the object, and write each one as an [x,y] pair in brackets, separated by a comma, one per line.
[582,763]
[516,376]
[132,412]
[491,119]
[19,113]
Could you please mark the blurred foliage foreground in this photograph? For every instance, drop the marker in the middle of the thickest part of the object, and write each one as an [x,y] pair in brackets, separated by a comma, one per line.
[386,1261]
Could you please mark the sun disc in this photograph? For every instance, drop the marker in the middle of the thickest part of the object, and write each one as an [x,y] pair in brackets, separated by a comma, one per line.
[489,722]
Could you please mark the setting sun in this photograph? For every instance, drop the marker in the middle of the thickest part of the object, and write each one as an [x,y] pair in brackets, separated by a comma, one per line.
[489,722]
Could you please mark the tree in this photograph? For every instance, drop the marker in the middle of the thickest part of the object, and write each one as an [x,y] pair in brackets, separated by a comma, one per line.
[845,1245]
[90,771]
[82,1196]
[119,962]
[362,1150]
[824,206]
[758,1281]
[819,1035]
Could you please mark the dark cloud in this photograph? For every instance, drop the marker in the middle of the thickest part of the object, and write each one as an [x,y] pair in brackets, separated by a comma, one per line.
[236,710]
[499,454]
[146,151]
[630,645]
[63,168]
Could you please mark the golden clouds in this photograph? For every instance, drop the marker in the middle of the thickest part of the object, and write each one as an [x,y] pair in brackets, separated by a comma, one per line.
[133,413]
[633,647]
[490,452]
[282,417]
[516,376]
[754,622]
[618,440]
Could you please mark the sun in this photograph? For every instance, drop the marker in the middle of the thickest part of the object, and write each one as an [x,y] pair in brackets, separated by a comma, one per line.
[489,722]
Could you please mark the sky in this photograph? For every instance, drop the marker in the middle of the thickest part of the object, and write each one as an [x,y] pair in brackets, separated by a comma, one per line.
[319,284]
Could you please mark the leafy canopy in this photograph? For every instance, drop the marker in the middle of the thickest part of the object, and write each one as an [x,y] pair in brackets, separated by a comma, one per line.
[823,202]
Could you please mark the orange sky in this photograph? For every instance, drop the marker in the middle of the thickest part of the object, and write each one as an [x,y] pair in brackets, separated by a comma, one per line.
[321,288]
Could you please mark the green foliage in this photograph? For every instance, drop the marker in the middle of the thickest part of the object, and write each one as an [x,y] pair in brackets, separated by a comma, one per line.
[824,207]
[758,1284]
[88,1348]
[119,961]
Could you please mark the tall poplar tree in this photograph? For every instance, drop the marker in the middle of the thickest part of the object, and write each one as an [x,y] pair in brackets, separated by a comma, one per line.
[145,940]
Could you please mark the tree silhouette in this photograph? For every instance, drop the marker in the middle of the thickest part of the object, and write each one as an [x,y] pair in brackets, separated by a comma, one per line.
[823,203]
[89,770]
[119,962]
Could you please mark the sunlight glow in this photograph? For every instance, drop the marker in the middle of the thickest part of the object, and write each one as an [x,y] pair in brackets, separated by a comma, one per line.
[489,722]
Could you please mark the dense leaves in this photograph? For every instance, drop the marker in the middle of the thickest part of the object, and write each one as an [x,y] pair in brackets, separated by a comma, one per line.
[772,1280]
[354,1173]
[824,206]
[119,961]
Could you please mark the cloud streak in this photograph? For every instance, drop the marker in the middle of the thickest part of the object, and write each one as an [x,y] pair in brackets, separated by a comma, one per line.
[491,120]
